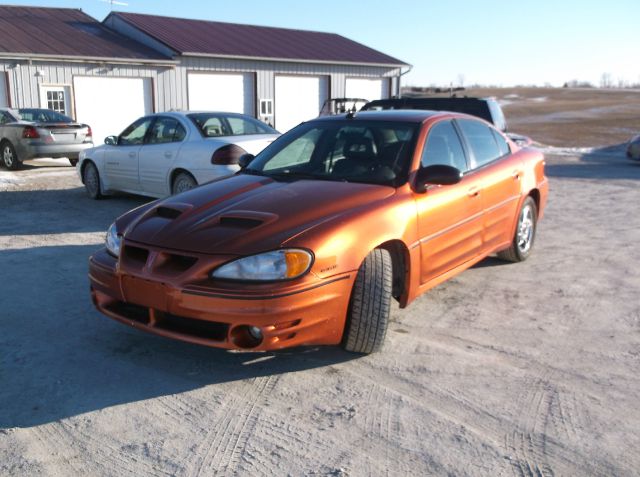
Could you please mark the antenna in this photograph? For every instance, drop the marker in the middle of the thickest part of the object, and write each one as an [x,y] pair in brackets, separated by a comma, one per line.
[114,2]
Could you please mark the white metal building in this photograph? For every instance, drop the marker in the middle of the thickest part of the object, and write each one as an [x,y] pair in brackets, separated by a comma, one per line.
[108,74]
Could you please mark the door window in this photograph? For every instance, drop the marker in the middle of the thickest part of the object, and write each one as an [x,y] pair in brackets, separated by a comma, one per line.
[135,133]
[443,147]
[481,140]
[166,130]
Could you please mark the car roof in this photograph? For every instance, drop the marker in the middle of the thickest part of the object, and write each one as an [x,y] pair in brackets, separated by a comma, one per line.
[404,115]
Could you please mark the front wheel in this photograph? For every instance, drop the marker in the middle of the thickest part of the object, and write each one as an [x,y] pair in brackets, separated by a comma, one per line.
[9,157]
[522,243]
[368,314]
[91,179]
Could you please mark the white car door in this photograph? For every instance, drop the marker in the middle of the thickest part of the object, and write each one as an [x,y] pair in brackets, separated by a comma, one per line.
[158,154]
[121,160]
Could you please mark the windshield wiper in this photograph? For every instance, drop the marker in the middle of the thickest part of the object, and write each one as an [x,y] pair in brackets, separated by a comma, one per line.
[301,175]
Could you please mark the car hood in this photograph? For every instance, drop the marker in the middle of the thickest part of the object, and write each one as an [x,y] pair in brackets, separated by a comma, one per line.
[246,214]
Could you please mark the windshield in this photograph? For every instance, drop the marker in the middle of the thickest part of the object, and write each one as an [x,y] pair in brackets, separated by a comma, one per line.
[373,152]
[223,124]
[43,116]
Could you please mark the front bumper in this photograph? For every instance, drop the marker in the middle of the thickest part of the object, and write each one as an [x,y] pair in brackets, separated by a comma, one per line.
[287,314]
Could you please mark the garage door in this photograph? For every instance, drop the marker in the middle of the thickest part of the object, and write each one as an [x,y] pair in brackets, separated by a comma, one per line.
[367,88]
[298,98]
[3,90]
[109,105]
[233,93]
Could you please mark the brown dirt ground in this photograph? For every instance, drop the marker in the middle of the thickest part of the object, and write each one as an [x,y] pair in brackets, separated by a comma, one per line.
[565,117]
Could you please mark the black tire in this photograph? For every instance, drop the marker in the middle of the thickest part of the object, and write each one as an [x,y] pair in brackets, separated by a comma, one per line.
[368,314]
[9,157]
[73,162]
[182,182]
[91,179]
[525,234]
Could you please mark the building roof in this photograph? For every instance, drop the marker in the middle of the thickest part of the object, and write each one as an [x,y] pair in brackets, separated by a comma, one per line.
[63,33]
[217,39]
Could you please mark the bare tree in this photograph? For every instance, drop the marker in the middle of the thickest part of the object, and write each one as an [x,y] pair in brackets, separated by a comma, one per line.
[606,81]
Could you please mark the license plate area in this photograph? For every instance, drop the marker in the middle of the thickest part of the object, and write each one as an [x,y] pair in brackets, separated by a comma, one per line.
[145,293]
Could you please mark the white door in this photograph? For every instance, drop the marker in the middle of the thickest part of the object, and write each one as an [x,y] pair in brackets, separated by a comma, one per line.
[226,92]
[298,99]
[109,105]
[367,88]
[3,90]
[56,98]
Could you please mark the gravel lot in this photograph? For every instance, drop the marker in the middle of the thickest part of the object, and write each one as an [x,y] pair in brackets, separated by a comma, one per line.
[508,369]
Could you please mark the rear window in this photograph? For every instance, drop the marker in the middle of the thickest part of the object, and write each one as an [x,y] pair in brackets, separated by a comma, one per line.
[220,125]
[43,116]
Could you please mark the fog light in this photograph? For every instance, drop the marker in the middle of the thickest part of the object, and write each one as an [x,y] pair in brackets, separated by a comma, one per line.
[255,332]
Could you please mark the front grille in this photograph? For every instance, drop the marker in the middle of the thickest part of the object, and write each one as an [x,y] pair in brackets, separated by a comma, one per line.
[190,326]
[209,330]
[136,254]
[130,311]
[171,263]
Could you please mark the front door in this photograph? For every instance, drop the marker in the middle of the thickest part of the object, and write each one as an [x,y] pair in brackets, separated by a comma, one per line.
[449,217]
[121,160]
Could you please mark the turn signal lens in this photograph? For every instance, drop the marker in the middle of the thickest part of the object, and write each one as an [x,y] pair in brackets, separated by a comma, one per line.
[297,262]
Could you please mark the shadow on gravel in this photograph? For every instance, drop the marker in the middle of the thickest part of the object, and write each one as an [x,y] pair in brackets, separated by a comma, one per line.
[57,211]
[605,163]
[60,358]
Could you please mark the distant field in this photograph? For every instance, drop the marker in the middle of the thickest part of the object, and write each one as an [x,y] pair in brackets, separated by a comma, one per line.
[570,117]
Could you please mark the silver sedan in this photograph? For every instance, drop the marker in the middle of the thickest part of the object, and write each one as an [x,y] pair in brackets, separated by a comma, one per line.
[31,133]
[167,153]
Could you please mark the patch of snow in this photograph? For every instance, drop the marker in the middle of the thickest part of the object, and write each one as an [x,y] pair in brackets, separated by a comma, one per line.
[8,178]
[539,99]
[511,96]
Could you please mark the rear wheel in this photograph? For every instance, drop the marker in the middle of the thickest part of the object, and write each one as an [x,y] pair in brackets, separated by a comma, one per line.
[522,243]
[183,182]
[9,156]
[368,315]
[91,179]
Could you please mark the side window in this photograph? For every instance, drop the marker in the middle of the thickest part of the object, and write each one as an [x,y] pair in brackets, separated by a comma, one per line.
[443,147]
[214,127]
[5,118]
[296,153]
[166,130]
[481,140]
[502,143]
[135,133]
[239,126]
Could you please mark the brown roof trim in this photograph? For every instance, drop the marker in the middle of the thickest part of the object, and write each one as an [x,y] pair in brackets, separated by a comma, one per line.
[293,60]
[87,59]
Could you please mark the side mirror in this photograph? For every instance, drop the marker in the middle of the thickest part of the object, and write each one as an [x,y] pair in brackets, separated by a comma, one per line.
[438,174]
[111,140]
[245,160]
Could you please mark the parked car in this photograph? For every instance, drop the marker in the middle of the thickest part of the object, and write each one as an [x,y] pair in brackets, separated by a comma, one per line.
[342,105]
[309,242]
[486,108]
[633,148]
[171,152]
[32,133]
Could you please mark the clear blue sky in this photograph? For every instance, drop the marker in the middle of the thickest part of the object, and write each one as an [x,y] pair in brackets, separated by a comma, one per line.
[477,41]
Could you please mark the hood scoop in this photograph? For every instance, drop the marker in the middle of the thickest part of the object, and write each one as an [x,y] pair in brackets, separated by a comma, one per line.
[240,222]
[172,211]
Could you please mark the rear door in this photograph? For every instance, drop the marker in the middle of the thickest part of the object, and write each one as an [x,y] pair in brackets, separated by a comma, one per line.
[449,217]
[499,173]
[121,160]
[159,152]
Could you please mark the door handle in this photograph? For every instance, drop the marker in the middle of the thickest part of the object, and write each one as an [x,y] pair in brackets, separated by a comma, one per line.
[473,192]
[168,154]
[516,175]
[132,154]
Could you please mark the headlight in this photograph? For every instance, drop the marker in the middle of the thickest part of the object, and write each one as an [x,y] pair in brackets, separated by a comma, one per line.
[113,241]
[277,265]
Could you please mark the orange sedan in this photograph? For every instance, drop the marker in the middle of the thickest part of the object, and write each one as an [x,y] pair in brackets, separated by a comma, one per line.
[311,240]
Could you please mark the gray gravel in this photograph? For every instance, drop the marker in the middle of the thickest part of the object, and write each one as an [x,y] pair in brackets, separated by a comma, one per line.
[508,369]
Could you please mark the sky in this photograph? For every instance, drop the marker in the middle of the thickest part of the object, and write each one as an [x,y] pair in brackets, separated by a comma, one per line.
[461,42]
